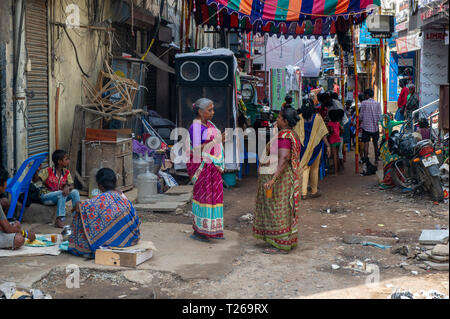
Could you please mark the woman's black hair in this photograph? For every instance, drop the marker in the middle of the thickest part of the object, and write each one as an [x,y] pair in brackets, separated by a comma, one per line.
[307,110]
[288,99]
[290,115]
[3,176]
[106,178]
[334,95]
[57,156]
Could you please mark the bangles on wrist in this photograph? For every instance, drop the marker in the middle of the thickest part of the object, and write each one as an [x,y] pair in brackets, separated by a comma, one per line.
[25,233]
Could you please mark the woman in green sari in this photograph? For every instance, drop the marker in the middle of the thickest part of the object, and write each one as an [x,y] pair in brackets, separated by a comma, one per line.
[277,201]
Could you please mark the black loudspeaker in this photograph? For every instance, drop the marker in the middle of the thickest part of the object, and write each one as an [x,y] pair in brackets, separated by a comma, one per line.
[220,95]
[210,77]
[215,70]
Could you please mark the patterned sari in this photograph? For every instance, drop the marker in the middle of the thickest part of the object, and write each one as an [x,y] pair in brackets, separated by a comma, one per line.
[276,218]
[207,201]
[108,220]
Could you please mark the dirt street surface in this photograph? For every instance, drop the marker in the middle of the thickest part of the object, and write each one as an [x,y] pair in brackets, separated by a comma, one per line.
[240,270]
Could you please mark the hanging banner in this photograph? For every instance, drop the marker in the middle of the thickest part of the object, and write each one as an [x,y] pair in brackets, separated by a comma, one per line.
[278,88]
[409,43]
[303,53]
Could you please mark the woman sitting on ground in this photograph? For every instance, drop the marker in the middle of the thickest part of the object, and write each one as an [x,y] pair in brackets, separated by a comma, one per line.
[107,220]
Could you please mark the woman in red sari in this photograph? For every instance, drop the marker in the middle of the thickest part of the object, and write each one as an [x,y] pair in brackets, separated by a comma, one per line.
[205,168]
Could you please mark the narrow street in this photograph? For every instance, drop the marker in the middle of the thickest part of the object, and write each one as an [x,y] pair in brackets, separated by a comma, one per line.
[357,207]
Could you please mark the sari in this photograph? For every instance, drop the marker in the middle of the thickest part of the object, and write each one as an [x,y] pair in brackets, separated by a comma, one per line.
[276,218]
[310,135]
[107,220]
[206,175]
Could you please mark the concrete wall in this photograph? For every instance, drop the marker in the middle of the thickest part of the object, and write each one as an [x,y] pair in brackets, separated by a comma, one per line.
[92,47]
[433,68]
[6,83]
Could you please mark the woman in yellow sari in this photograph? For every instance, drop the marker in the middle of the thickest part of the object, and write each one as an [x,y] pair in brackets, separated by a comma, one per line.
[312,132]
[276,216]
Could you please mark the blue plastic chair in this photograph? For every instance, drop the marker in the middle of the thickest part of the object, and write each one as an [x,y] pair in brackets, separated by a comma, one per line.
[244,157]
[15,186]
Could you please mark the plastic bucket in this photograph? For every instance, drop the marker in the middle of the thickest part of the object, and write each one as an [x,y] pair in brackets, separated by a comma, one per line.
[230,179]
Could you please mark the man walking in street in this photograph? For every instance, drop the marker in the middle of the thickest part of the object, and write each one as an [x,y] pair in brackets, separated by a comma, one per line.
[370,114]
[412,104]
[401,101]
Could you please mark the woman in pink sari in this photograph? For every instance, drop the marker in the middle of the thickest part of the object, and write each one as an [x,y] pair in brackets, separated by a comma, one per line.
[205,168]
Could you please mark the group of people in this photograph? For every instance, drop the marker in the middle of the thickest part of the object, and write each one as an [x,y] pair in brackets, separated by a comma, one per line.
[107,220]
[301,140]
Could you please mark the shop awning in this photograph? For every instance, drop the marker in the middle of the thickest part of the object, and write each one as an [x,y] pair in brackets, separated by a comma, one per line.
[283,17]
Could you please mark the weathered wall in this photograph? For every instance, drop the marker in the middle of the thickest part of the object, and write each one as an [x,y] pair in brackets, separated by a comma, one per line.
[6,82]
[433,68]
[92,48]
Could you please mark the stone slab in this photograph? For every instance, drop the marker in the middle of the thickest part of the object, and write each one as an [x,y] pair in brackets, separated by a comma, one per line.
[440,250]
[434,236]
[437,266]
[177,190]
[162,198]
[159,207]
[36,213]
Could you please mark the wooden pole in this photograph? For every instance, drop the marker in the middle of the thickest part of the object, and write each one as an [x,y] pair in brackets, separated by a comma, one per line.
[341,53]
[188,22]
[383,78]
[356,101]
[181,25]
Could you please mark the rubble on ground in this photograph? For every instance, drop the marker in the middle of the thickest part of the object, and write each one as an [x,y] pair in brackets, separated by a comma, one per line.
[8,290]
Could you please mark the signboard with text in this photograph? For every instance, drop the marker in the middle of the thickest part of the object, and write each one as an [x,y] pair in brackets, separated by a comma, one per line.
[402,16]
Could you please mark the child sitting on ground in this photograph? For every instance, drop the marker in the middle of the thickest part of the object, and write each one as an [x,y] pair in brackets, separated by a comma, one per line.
[11,234]
[58,186]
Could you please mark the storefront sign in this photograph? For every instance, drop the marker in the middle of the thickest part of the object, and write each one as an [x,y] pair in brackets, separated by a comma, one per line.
[401,67]
[409,43]
[425,3]
[435,36]
[431,12]
[278,88]
[402,16]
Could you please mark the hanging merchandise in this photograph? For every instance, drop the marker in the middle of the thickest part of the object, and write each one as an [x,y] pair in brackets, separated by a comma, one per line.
[284,17]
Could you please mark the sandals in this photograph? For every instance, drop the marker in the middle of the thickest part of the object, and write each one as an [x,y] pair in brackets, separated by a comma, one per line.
[274,251]
[316,195]
[195,237]
[304,197]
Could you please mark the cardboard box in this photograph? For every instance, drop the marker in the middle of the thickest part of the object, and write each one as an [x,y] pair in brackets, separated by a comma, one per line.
[125,258]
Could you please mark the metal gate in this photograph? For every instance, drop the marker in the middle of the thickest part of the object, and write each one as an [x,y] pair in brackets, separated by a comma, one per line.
[37,78]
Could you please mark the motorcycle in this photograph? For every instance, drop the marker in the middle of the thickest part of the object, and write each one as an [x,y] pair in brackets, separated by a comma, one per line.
[417,165]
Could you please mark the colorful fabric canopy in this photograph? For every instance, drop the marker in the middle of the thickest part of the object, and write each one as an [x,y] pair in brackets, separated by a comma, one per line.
[283,17]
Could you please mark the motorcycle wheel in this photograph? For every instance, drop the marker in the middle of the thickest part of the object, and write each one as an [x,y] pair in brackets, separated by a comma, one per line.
[433,184]
[397,179]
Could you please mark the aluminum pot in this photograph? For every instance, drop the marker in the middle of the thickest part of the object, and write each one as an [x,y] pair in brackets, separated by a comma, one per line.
[66,232]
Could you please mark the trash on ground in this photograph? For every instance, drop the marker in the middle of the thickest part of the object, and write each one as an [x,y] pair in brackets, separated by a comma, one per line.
[335,267]
[8,290]
[376,245]
[246,218]
[402,295]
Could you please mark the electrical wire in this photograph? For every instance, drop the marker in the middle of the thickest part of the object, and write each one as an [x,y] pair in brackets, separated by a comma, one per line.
[76,52]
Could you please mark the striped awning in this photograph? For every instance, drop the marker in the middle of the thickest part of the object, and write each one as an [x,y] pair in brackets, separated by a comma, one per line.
[283,17]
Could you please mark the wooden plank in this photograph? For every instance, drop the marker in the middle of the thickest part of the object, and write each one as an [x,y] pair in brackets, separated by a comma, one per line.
[100,135]
[77,136]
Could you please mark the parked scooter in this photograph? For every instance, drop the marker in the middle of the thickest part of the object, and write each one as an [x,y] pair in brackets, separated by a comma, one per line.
[417,166]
